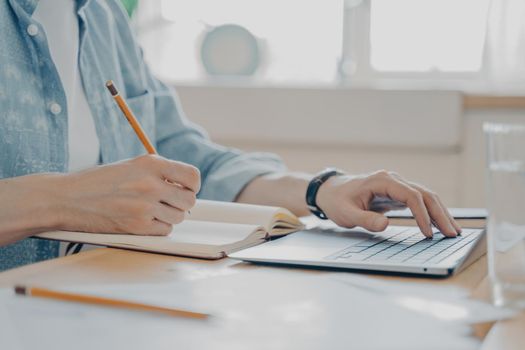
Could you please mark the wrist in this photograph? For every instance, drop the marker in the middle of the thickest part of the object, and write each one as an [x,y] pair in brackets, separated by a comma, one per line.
[57,207]
[314,187]
[28,206]
[324,194]
[47,197]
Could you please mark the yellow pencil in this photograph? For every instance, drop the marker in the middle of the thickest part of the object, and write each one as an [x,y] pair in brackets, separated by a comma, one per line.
[94,300]
[131,118]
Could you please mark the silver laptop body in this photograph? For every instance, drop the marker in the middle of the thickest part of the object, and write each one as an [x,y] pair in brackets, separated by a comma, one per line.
[398,249]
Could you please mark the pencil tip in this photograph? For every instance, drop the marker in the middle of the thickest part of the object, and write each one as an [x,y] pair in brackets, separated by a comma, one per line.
[21,290]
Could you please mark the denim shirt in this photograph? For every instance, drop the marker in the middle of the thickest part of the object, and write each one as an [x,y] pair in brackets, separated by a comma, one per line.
[33,110]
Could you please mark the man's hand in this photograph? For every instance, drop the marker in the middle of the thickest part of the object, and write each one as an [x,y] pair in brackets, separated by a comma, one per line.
[145,195]
[347,201]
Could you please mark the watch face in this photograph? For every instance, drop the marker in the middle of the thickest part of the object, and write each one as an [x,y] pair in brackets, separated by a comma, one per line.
[230,50]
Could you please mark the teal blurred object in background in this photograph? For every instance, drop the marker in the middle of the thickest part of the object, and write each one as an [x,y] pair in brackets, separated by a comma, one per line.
[230,50]
[130,5]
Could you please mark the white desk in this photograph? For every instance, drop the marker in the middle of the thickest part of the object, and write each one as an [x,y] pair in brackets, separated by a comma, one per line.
[119,266]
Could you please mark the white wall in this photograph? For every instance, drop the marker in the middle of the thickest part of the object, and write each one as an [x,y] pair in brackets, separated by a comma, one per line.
[424,135]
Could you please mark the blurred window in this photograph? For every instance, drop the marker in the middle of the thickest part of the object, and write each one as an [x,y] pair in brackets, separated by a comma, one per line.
[425,35]
[322,41]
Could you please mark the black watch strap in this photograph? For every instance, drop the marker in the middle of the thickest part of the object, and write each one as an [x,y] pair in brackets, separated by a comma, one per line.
[313,188]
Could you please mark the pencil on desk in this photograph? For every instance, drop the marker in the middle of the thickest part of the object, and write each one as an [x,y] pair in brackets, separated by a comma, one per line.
[131,118]
[94,300]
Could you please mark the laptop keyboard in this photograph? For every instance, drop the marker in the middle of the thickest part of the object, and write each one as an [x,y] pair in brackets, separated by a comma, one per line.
[407,246]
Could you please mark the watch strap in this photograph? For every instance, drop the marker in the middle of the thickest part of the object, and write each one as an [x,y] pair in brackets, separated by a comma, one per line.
[313,188]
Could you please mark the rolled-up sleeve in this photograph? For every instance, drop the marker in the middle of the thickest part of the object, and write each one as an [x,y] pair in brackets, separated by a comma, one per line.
[224,171]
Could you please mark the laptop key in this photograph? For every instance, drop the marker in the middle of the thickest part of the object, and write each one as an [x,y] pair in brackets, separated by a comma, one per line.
[354,249]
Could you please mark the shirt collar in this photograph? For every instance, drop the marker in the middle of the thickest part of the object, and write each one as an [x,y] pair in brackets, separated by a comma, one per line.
[28,6]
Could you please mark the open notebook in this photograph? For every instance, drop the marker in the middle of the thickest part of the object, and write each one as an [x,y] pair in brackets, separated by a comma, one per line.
[211,231]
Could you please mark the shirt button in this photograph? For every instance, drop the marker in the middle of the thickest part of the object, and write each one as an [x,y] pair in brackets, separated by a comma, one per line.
[55,108]
[32,29]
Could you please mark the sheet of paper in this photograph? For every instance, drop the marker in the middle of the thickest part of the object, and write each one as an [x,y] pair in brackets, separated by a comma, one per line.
[448,303]
[206,210]
[9,335]
[256,309]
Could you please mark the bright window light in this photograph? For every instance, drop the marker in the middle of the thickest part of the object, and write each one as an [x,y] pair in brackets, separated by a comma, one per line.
[427,35]
[301,40]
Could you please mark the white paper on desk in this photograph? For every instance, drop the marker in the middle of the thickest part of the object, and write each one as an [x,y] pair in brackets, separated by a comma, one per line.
[256,309]
[447,303]
[9,336]
[403,288]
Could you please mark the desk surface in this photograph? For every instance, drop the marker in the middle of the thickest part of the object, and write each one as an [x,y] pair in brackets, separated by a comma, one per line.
[121,266]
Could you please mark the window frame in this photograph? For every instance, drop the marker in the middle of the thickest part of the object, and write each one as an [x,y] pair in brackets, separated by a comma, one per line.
[356,53]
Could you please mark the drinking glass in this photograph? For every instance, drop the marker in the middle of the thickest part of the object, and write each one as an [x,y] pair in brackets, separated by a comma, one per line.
[506,221]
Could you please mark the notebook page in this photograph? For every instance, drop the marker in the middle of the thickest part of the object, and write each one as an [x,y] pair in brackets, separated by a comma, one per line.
[237,213]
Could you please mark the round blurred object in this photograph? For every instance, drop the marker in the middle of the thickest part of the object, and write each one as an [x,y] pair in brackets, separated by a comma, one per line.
[230,50]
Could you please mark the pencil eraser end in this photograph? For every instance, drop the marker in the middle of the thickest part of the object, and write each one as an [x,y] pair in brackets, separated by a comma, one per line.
[111,87]
[21,290]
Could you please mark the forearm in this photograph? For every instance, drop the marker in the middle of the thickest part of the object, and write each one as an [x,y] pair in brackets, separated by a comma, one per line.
[287,190]
[26,206]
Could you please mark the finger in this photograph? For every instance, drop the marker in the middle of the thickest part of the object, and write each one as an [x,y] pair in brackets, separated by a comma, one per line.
[178,197]
[168,214]
[181,173]
[159,228]
[438,215]
[397,190]
[369,220]
[447,225]
[453,221]
[383,204]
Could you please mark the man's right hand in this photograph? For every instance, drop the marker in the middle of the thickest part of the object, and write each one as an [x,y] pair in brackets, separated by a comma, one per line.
[145,196]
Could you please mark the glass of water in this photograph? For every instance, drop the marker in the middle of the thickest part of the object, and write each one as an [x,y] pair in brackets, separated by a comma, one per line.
[506,205]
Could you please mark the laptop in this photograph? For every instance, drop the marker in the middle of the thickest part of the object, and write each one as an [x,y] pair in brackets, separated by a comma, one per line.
[398,249]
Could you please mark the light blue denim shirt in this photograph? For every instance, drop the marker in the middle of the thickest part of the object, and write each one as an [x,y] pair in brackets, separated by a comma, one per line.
[33,134]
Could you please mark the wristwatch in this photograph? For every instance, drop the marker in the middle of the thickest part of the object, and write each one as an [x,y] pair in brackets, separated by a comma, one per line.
[313,188]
